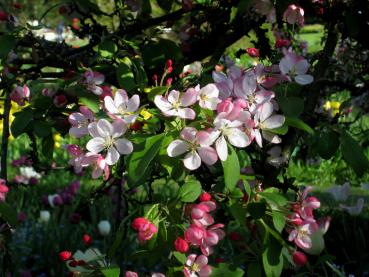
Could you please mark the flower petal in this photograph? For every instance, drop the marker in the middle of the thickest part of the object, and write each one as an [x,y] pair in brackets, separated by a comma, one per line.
[124,146]
[133,103]
[112,156]
[221,147]
[304,79]
[238,138]
[192,160]
[162,103]
[275,121]
[186,113]
[208,154]
[104,128]
[177,147]
[96,145]
[110,106]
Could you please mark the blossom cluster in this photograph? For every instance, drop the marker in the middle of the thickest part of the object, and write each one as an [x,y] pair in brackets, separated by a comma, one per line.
[304,229]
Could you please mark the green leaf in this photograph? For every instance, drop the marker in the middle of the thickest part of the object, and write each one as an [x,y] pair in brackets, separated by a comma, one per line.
[107,49]
[231,169]
[125,76]
[254,270]
[180,257]
[8,213]
[280,131]
[157,91]
[274,198]
[272,257]
[279,220]
[48,147]
[88,99]
[239,213]
[111,272]
[190,191]
[256,209]
[21,121]
[224,269]
[139,161]
[291,106]
[298,123]
[327,144]
[353,154]
[164,190]
[7,43]
[42,129]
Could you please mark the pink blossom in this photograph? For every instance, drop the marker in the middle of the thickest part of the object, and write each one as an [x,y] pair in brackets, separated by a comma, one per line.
[80,121]
[145,228]
[93,79]
[197,146]
[194,234]
[3,190]
[301,235]
[20,95]
[211,238]
[176,104]
[122,106]
[294,15]
[200,213]
[99,165]
[197,266]
[130,274]
[106,136]
[208,97]
[78,156]
[231,109]
[295,67]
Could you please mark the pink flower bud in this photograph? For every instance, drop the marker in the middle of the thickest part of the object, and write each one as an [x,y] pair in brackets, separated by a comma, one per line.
[168,63]
[181,245]
[299,258]
[169,70]
[282,43]
[138,223]
[204,197]
[253,52]
[225,106]
[155,77]
[60,101]
[65,256]
[169,81]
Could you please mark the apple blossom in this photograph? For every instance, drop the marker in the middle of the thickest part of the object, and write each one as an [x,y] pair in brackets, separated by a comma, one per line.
[208,97]
[93,79]
[99,165]
[106,137]
[197,266]
[145,228]
[176,104]
[230,130]
[301,235]
[20,95]
[122,106]
[197,144]
[80,121]
[294,15]
[294,66]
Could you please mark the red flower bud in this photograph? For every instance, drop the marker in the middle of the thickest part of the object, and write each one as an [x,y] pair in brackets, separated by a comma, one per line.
[136,126]
[65,255]
[87,239]
[282,43]
[169,63]
[299,258]
[253,52]
[155,77]
[169,81]
[205,197]
[138,222]
[181,245]
[169,70]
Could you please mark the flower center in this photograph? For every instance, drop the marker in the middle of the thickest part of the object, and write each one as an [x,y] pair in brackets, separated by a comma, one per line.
[195,267]
[108,142]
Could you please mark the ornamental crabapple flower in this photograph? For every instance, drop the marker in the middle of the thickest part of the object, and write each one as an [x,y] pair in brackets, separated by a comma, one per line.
[208,97]
[104,227]
[145,228]
[230,130]
[194,234]
[200,213]
[181,245]
[175,104]
[92,80]
[3,190]
[231,109]
[294,66]
[197,144]
[106,137]
[301,235]
[211,238]
[78,156]
[80,121]
[99,165]
[294,15]
[123,107]
[197,266]
[20,95]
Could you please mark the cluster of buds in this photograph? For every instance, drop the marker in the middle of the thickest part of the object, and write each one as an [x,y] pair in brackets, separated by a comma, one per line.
[145,229]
